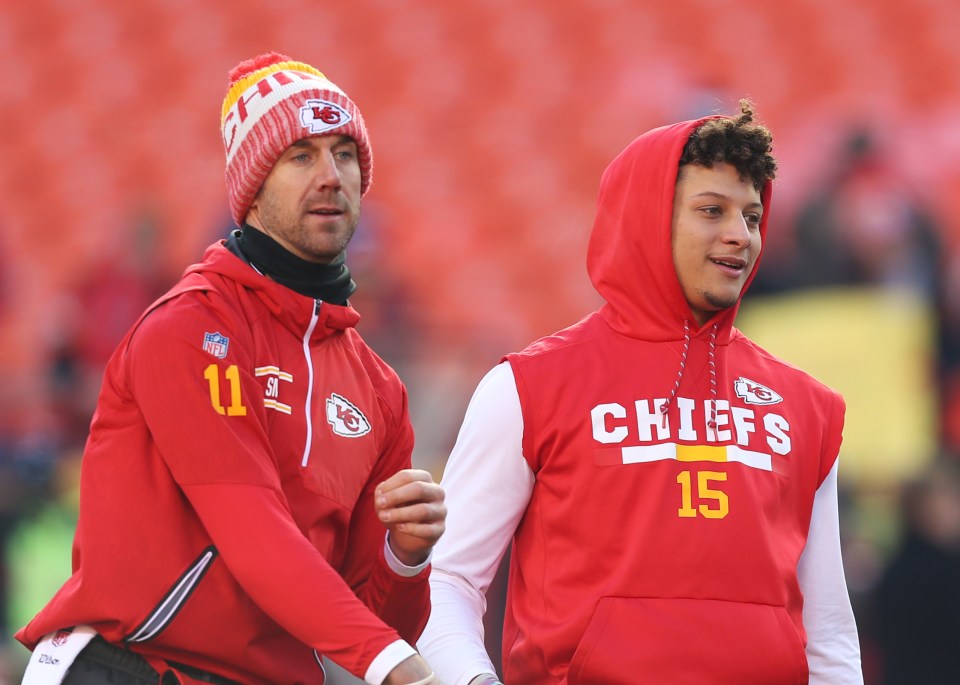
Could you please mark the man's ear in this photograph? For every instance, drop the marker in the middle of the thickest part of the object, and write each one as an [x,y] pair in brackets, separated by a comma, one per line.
[255,202]
[253,211]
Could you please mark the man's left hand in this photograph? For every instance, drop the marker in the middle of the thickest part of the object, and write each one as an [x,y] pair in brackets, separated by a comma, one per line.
[411,506]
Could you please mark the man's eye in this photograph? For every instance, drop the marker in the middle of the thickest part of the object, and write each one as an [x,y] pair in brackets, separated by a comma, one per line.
[753,219]
[345,154]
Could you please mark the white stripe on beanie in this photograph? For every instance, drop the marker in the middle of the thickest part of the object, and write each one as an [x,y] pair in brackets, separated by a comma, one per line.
[249,108]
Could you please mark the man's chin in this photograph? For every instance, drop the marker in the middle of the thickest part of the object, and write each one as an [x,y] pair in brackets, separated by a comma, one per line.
[722,303]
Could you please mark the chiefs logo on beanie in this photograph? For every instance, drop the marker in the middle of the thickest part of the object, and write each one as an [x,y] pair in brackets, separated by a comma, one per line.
[272,102]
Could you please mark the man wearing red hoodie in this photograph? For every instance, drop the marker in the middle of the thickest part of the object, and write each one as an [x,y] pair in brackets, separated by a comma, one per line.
[669,488]
[247,503]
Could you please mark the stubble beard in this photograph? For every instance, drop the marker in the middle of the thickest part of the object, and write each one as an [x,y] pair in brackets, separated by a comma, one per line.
[313,244]
[720,302]
[317,243]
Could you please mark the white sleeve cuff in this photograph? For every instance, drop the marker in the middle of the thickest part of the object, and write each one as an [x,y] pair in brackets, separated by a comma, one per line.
[398,566]
[387,660]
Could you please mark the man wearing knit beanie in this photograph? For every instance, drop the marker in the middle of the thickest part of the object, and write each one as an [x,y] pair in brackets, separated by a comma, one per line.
[248,504]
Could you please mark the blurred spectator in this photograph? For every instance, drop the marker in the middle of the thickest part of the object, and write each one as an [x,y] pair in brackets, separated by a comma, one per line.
[864,225]
[916,609]
[388,319]
[117,286]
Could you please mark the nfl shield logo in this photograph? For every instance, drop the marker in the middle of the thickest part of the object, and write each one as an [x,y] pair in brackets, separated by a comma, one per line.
[216,344]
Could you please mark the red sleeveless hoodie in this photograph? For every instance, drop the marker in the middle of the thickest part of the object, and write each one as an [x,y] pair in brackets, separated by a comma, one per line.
[661,550]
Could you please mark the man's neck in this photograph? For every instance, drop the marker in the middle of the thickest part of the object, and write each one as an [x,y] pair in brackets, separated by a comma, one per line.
[328,282]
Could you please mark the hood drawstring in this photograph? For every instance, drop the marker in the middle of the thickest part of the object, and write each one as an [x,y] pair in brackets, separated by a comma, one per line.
[712,363]
[683,365]
[712,423]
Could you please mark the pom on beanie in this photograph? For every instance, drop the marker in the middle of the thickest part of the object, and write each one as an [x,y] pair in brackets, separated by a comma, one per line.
[272,102]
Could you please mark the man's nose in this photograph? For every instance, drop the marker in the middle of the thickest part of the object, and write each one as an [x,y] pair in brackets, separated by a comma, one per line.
[737,230]
[327,173]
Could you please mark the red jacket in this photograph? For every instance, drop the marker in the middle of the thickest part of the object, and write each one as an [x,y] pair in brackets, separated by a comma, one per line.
[660,551]
[226,513]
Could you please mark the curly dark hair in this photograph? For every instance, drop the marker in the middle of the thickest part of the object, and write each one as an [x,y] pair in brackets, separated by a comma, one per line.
[738,141]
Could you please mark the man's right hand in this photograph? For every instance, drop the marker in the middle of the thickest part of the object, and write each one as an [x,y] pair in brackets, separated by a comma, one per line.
[411,670]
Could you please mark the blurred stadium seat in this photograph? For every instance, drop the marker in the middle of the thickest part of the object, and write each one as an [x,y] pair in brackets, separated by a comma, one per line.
[492,122]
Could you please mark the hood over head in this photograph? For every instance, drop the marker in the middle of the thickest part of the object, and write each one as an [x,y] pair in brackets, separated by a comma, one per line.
[630,259]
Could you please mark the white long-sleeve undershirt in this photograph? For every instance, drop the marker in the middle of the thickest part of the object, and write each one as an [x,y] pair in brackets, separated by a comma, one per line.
[488,485]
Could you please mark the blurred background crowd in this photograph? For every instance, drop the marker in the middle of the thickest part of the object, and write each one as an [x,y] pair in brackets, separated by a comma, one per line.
[491,122]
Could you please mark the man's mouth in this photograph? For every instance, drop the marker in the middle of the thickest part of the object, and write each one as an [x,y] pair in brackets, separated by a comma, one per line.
[730,262]
[326,211]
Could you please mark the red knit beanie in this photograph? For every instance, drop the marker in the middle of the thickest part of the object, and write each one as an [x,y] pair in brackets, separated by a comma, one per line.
[271,103]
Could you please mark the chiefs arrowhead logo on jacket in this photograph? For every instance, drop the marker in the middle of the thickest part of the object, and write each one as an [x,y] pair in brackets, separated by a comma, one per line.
[345,418]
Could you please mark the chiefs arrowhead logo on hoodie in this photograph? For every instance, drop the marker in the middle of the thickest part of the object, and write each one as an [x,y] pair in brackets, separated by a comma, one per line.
[345,418]
[752,392]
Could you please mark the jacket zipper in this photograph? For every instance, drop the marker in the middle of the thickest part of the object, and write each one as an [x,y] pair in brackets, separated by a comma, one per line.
[306,410]
[174,600]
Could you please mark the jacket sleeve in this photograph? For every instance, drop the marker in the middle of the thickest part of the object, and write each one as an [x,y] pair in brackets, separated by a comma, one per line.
[205,417]
[398,595]
[488,485]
